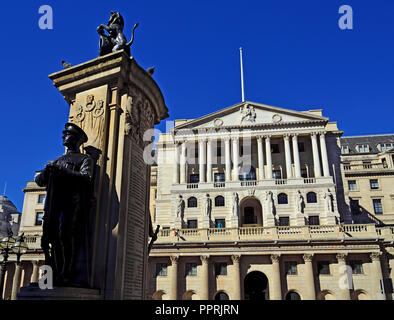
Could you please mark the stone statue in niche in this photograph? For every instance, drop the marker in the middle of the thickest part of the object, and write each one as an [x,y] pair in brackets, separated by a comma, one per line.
[269,203]
[180,207]
[247,113]
[114,40]
[328,197]
[235,204]
[68,182]
[208,205]
[299,202]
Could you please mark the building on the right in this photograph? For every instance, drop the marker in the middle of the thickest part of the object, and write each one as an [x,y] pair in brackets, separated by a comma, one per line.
[367,166]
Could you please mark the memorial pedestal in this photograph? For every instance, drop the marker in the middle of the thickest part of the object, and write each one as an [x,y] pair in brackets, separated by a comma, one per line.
[115,102]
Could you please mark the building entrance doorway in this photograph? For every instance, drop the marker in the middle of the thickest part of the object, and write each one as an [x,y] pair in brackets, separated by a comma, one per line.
[251,212]
[256,286]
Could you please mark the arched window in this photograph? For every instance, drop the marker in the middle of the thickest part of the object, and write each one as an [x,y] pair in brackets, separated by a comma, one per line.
[282,198]
[192,202]
[311,197]
[219,201]
[292,295]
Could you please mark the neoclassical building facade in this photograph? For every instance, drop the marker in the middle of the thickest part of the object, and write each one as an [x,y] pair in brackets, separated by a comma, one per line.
[251,206]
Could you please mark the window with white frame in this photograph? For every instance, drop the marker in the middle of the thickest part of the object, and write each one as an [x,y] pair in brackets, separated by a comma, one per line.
[352,184]
[345,149]
[386,146]
[363,148]
[377,206]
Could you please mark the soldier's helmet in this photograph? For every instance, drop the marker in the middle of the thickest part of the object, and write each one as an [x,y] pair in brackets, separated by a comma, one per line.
[74,129]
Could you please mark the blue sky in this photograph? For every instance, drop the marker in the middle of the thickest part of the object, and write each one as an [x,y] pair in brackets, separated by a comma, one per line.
[295,56]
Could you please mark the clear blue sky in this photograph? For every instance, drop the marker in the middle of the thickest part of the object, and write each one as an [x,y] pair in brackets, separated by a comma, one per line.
[295,56]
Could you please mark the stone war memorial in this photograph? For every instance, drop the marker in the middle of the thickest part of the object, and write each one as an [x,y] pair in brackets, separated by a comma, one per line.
[96,221]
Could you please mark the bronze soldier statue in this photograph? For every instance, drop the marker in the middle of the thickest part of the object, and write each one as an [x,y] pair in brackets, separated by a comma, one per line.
[68,182]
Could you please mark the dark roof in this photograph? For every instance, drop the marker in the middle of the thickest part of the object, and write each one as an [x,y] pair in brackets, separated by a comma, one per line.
[372,141]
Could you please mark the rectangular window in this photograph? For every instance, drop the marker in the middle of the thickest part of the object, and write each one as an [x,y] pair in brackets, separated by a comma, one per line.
[39,216]
[363,148]
[192,224]
[191,269]
[219,177]
[323,267]
[274,148]
[220,269]
[276,174]
[386,146]
[374,183]
[219,151]
[314,220]
[352,184]
[301,147]
[345,149]
[304,173]
[220,223]
[377,206]
[194,178]
[291,268]
[284,221]
[41,198]
[161,269]
[357,266]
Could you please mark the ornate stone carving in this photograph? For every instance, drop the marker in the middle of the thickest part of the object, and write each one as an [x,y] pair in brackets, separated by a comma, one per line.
[307,257]
[328,197]
[251,192]
[204,259]
[180,207]
[236,258]
[375,256]
[248,114]
[341,257]
[174,259]
[218,122]
[276,118]
[299,202]
[269,203]
[208,206]
[275,258]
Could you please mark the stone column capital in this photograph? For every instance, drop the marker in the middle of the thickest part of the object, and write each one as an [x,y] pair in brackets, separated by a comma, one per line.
[294,135]
[226,138]
[308,257]
[234,139]
[259,137]
[236,258]
[174,259]
[375,256]
[286,136]
[314,134]
[267,136]
[275,258]
[341,257]
[322,133]
[204,259]
[202,139]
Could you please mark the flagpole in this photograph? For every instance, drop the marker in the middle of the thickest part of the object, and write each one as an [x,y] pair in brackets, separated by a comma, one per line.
[242,75]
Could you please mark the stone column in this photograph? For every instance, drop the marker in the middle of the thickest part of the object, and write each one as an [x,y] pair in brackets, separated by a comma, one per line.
[260,155]
[276,292]
[345,282]
[316,159]
[201,159]
[289,173]
[326,169]
[34,274]
[227,157]
[183,163]
[174,277]
[377,274]
[236,277]
[309,278]
[209,160]
[268,155]
[16,281]
[176,164]
[296,156]
[205,277]
[235,158]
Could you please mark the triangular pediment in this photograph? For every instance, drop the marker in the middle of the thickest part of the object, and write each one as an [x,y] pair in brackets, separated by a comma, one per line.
[251,114]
